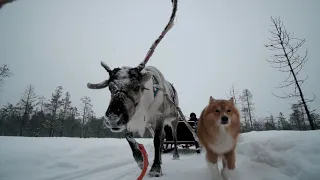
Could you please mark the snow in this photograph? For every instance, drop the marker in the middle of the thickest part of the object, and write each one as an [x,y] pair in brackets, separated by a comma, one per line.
[268,155]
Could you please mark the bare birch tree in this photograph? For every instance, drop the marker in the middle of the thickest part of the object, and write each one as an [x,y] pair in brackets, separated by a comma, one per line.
[247,106]
[233,93]
[87,112]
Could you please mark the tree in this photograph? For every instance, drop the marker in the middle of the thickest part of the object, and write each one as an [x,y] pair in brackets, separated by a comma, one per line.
[10,116]
[287,59]
[247,106]
[53,106]
[270,123]
[36,124]
[246,126]
[66,103]
[303,113]
[258,124]
[316,118]
[95,127]
[87,113]
[282,124]
[72,120]
[41,103]
[4,119]
[296,116]
[4,73]
[233,93]
[27,103]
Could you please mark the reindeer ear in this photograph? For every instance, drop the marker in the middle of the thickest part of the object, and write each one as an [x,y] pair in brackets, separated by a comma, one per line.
[211,100]
[145,76]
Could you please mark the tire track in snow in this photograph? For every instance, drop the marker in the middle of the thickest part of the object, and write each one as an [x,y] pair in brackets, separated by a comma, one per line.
[133,171]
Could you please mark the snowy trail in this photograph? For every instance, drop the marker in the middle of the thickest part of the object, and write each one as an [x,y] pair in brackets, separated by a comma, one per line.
[272,155]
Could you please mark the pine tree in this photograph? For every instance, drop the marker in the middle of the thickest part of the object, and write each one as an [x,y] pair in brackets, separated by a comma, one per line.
[27,103]
[66,103]
[53,106]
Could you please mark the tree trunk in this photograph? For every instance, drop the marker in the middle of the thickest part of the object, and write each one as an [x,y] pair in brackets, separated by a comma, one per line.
[249,111]
[297,83]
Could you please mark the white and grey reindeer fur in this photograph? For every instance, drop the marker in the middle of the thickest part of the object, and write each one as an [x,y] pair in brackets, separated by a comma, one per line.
[157,108]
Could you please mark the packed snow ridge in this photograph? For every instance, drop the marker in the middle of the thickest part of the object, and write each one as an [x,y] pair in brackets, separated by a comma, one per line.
[268,155]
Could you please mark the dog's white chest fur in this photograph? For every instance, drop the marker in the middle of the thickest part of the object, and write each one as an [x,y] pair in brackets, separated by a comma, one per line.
[223,142]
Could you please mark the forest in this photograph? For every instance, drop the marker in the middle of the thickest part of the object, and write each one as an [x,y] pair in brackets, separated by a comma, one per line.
[56,116]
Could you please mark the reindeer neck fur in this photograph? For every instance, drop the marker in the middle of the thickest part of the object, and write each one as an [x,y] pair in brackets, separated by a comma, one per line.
[150,107]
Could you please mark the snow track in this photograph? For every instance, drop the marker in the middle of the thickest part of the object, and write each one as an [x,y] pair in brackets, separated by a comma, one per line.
[272,155]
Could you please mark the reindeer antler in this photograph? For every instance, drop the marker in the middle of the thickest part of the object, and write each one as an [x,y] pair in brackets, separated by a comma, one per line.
[3,2]
[163,33]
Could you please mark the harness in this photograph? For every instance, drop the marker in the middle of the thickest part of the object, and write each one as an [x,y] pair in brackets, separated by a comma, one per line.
[156,85]
[156,88]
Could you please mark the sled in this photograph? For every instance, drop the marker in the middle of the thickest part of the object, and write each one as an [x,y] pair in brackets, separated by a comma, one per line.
[185,138]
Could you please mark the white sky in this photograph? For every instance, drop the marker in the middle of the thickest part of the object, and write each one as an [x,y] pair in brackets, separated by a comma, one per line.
[213,45]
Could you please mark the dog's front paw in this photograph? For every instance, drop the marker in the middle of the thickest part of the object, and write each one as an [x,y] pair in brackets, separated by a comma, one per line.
[214,172]
[226,174]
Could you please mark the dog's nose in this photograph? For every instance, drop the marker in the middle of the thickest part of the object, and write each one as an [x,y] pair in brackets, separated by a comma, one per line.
[224,120]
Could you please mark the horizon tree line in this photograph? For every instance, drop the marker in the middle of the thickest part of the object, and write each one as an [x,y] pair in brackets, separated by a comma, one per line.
[297,119]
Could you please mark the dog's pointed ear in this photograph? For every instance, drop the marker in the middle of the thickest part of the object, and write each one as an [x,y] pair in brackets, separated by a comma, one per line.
[211,100]
[231,100]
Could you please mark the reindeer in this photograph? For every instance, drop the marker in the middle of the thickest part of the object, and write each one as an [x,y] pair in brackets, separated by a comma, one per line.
[141,97]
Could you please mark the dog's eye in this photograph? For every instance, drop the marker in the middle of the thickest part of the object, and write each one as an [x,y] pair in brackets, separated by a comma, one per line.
[217,110]
[229,110]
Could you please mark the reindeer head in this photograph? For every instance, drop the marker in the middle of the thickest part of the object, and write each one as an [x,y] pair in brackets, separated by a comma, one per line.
[126,86]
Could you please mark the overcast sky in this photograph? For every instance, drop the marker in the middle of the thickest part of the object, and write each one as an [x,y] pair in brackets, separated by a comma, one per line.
[213,45]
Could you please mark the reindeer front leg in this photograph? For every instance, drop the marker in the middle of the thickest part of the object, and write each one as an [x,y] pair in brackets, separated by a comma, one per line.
[135,150]
[155,170]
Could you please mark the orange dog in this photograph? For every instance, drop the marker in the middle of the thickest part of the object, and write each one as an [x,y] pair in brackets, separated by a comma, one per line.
[218,130]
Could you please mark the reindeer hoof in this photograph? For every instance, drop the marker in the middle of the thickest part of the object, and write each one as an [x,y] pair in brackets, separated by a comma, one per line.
[155,171]
[138,158]
[176,157]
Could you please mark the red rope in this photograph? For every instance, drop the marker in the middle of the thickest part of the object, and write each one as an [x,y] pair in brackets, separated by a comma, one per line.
[145,161]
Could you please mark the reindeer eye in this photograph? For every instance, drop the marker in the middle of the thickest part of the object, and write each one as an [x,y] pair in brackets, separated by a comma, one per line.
[137,88]
[112,87]
[229,110]
[217,110]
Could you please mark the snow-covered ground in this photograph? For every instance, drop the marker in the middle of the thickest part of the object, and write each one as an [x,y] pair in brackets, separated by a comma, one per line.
[272,155]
